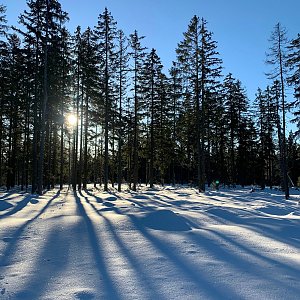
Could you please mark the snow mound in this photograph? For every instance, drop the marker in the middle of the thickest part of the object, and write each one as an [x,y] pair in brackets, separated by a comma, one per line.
[276,210]
[224,214]
[165,220]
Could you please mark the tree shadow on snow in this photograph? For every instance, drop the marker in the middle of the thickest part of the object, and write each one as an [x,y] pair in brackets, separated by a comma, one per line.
[97,251]
[16,236]
[20,205]
[127,253]
[184,267]
[51,262]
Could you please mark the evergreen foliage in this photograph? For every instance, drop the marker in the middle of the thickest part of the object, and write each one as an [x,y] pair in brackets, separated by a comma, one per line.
[97,106]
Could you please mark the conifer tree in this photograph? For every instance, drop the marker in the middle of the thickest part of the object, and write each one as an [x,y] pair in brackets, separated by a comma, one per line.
[152,70]
[3,83]
[14,111]
[138,55]
[90,75]
[176,97]
[122,60]
[235,106]
[293,62]
[198,58]
[105,34]
[277,57]
[42,24]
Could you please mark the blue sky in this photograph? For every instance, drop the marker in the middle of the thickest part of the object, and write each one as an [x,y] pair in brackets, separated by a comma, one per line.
[241,27]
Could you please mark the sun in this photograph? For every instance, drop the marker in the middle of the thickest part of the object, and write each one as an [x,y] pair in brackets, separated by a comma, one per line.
[71,119]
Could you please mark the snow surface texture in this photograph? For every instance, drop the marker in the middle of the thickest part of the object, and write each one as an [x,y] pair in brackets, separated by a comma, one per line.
[164,243]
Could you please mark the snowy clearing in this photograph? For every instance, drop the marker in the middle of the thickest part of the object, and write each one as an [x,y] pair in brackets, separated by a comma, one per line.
[164,243]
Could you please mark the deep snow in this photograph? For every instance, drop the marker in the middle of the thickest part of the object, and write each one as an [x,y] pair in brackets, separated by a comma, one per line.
[164,243]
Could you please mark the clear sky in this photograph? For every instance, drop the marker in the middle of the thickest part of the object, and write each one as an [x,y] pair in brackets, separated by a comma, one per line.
[241,27]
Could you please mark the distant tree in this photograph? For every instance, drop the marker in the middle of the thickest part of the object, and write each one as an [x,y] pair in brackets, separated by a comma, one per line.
[3,21]
[293,159]
[137,54]
[266,121]
[165,145]
[176,98]
[277,57]
[236,104]
[293,62]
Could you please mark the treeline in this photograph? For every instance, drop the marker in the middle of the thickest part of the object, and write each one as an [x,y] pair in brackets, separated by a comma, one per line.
[97,106]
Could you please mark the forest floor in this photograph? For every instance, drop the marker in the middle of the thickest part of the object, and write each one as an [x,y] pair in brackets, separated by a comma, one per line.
[162,243]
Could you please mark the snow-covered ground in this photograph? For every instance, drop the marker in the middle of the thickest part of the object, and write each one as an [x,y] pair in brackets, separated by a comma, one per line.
[164,243]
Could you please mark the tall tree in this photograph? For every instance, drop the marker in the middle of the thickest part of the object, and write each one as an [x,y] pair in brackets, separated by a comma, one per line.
[176,96]
[122,86]
[198,58]
[3,81]
[277,57]
[235,107]
[138,55]
[266,121]
[105,34]
[294,79]
[90,75]
[152,71]
[42,23]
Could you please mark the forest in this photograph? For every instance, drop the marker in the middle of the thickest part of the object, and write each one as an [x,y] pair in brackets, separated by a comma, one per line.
[96,106]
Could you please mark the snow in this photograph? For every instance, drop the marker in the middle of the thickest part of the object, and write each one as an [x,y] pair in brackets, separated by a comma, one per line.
[162,243]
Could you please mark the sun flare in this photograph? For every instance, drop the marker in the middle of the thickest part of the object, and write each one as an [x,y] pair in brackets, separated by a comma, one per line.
[71,119]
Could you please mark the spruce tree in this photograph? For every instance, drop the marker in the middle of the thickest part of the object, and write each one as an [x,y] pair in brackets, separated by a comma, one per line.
[152,70]
[198,58]
[122,60]
[293,62]
[42,24]
[235,106]
[137,59]
[3,83]
[105,34]
[277,57]
[176,98]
